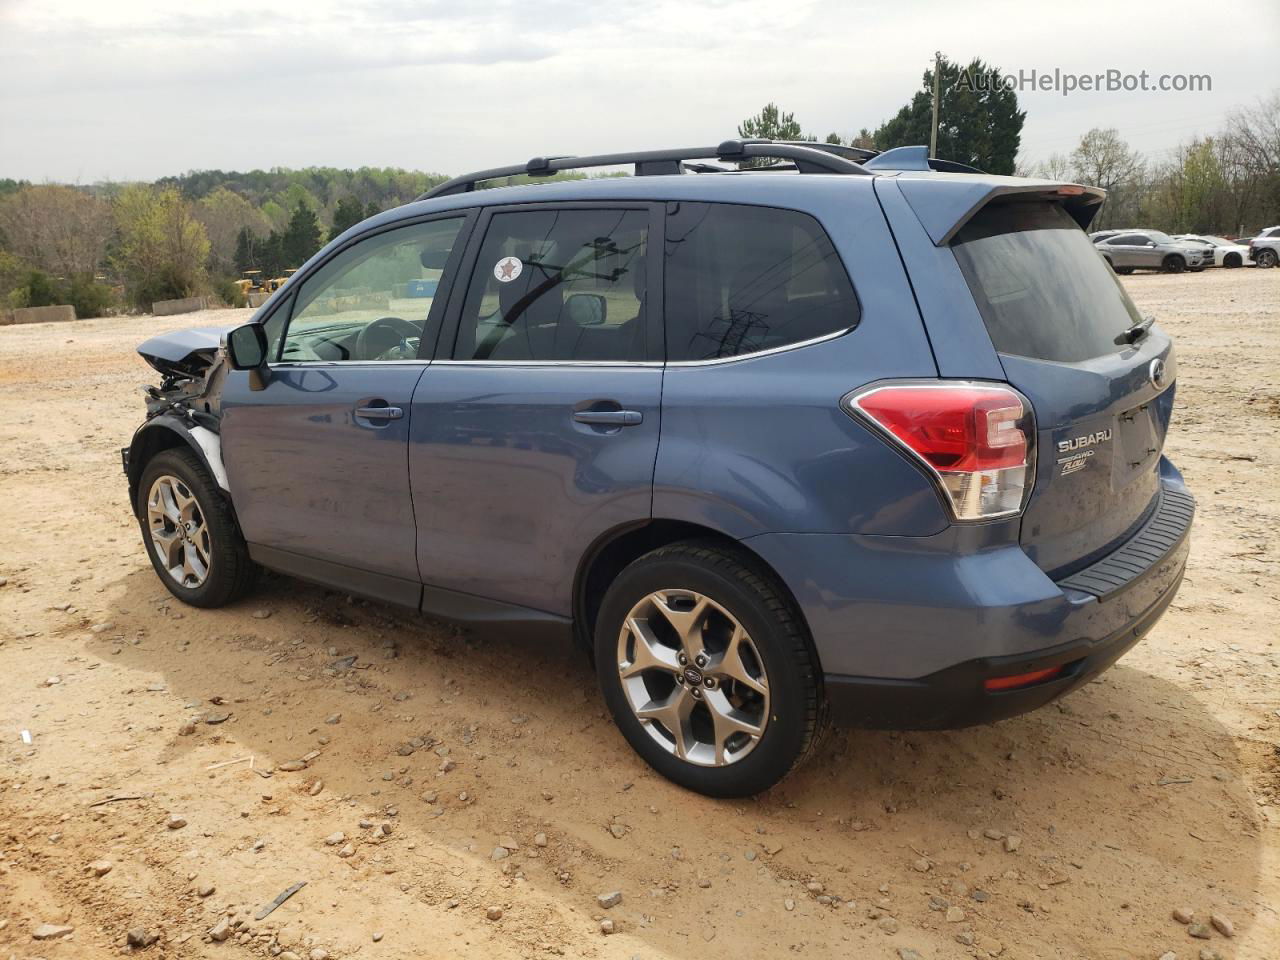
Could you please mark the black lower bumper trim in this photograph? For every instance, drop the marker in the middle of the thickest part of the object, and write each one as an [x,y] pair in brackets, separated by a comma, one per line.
[955,697]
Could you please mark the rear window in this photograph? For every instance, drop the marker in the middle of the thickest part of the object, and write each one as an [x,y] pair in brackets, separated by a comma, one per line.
[1041,287]
[742,279]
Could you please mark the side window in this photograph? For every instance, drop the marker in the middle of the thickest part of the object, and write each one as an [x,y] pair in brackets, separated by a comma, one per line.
[743,279]
[558,285]
[372,300]
[1128,240]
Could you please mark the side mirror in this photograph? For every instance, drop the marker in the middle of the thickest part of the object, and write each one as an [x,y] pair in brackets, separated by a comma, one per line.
[1152,243]
[586,309]
[247,347]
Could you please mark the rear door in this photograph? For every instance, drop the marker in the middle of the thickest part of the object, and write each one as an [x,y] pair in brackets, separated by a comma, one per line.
[1057,317]
[537,431]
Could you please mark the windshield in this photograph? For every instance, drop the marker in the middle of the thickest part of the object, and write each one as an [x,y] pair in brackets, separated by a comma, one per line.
[1040,285]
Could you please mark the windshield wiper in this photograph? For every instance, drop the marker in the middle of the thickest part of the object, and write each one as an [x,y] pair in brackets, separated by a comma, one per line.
[1137,331]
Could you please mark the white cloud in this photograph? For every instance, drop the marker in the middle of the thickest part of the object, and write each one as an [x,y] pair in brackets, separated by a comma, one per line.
[126,89]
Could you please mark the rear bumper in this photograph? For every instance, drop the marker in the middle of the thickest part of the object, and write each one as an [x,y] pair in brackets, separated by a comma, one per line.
[908,629]
[955,697]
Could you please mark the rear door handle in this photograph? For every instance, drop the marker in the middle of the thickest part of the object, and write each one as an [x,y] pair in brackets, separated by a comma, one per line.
[612,418]
[379,413]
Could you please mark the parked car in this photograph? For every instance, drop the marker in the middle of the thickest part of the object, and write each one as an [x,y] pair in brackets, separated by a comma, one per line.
[868,442]
[1151,250]
[1265,247]
[1219,251]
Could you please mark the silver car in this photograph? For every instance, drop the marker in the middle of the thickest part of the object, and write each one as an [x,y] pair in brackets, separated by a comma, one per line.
[1150,250]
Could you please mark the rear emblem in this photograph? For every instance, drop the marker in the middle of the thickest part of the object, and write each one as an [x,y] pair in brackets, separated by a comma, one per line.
[1156,372]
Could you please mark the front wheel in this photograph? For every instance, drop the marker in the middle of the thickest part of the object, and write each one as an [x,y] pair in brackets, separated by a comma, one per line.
[1174,264]
[707,669]
[1124,271]
[1266,258]
[1232,260]
[191,536]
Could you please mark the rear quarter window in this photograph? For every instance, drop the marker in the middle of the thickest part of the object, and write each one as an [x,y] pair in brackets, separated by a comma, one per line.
[1041,287]
[742,279]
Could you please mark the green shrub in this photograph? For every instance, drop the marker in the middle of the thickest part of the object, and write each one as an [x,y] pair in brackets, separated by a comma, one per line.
[229,292]
[90,299]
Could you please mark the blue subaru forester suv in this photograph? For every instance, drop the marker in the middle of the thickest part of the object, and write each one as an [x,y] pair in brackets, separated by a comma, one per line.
[782,433]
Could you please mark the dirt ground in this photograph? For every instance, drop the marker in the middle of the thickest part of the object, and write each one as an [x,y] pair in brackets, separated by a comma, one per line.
[1155,788]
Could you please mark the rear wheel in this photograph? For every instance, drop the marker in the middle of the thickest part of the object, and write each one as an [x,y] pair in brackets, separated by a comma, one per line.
[1266,258]
[190,533]
[1173,264]
[706,668]
[1124,271]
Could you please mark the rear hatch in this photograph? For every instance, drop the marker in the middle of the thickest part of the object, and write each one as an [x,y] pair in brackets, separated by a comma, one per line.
[1057,316]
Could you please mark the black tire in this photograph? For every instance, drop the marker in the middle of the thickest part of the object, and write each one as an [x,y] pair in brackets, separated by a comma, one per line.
[230,572]
[1233,260]
[1173,263]
[1266,259]
[736,582]
[1124,271]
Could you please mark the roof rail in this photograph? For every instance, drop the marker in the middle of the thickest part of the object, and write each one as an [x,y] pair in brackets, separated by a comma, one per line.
[806,157]
[856,154]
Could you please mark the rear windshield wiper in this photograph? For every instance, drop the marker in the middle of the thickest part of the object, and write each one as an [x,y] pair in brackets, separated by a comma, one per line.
[1137,331]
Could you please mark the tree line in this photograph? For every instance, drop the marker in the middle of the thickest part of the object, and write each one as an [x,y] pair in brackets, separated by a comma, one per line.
[112,246]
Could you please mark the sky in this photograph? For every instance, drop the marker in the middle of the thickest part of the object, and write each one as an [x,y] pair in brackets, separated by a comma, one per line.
[95,90]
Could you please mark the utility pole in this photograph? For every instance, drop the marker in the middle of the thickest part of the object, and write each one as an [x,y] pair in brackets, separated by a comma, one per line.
[933,130]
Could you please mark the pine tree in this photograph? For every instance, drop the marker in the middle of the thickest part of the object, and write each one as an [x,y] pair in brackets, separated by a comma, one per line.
[348,213]
[301,237]
[979,122]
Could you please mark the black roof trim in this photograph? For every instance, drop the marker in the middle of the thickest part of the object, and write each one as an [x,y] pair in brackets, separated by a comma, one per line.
[807,158]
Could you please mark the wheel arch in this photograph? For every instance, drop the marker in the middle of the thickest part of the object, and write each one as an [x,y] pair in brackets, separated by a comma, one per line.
[166,432]
[616,548]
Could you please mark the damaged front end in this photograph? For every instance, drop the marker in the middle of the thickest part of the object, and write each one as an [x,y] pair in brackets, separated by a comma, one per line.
[193,365]
[186,407]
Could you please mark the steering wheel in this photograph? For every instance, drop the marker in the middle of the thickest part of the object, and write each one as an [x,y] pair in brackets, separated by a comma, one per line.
[383,334]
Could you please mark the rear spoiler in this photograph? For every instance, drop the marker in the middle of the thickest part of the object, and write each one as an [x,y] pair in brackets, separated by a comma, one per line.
[944,204]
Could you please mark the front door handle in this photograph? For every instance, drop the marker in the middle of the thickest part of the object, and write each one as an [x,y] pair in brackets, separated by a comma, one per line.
[609,418]
[379,413]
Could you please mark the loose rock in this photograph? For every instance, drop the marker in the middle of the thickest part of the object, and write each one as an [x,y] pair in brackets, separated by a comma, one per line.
[608,900]
[493,913]
[1222,925]
[1183,914]
[888,925]
[1012,843]
[539,839]
[100,868]
[51,931]
[1200,931]
[220,930]
[333,839]
[140,937]
[175,822]
[607,927]
[954,915]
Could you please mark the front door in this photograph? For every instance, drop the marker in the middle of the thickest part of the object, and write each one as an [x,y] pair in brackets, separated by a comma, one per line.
[317,457]
[539,430]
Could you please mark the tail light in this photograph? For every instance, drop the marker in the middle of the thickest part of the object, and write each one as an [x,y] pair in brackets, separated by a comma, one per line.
[976,439]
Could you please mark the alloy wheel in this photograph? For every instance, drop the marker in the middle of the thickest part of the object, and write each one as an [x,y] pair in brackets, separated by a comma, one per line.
[693,677]
[179,534]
